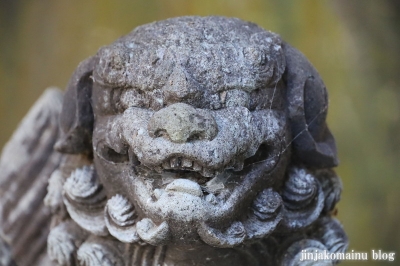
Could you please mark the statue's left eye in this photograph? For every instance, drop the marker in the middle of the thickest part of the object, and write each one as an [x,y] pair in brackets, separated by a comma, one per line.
[109,154]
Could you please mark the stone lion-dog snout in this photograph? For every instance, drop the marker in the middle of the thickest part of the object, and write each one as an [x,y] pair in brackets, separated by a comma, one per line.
[181,123]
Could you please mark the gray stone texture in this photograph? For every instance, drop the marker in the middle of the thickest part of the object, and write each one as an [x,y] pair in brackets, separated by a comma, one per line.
[191,141]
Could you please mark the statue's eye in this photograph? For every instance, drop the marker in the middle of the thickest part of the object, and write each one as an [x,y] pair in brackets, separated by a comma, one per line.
[109,154]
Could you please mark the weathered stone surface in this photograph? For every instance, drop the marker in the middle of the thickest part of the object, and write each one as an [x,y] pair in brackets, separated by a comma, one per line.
[26,164]
[205,137]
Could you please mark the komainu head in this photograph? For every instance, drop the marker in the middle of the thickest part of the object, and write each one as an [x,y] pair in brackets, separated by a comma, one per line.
[198,132]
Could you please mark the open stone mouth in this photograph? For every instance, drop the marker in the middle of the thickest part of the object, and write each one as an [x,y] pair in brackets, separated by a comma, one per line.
[174,167]
[200,180]
[185,165]
[193,179]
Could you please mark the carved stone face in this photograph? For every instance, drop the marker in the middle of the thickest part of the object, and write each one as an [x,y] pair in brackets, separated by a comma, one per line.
[181,119]
[204,132]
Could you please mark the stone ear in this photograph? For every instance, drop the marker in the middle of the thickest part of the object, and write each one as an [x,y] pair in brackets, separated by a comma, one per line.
[307,102]
[76,118]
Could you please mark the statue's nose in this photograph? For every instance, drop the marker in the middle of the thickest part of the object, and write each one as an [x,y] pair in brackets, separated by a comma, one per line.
[181,123]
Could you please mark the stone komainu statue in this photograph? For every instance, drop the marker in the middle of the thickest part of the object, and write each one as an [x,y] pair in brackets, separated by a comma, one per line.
[189,141]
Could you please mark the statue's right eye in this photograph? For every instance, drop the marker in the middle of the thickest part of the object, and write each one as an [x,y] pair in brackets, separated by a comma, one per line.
[111,155]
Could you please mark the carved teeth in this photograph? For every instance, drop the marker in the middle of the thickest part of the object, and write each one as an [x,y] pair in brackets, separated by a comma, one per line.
[179,163]
[187,163]
[185,186]
[175,162]
[197,167]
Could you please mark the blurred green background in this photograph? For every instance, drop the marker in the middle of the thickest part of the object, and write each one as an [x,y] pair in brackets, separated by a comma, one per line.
[355,45]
